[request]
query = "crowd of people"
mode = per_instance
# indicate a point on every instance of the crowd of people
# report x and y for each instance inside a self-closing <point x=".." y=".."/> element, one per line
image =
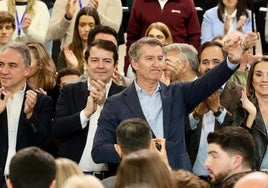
<point x="189" y="110"/>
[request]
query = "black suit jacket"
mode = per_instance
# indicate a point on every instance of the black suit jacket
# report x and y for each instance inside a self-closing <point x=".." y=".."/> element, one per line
<point x="67" y="126"/>
<point x="32" y="132"/>
<point x="230" y="95"/>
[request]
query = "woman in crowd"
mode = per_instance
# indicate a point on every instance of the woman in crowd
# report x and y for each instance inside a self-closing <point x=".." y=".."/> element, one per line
<point x="143" y="166"/>
<point x="42" y="76"/>
<point x="72" y="55"/>
<point x="159" y="31"/>
<point x="65" y="168"/>
<point x="252" y="111"/>
<point x="32" y="19"/>
<point x="227" y="17"/>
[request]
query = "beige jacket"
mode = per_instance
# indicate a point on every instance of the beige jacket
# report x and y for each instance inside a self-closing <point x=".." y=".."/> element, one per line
<point x="110" y="13"/>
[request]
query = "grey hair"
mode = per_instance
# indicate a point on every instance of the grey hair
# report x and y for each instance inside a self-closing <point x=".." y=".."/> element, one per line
<point x="186" y="52"/>
<point x="134" y="50"/>
<point x="21" y="48"/>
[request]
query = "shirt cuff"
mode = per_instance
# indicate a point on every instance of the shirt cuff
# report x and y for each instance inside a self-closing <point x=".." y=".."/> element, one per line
<point x="193" y="121"/>
<point x="84" y="120"/>
<point x="231" y="65"/>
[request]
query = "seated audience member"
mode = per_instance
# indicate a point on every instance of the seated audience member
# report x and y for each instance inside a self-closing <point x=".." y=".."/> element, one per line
<point x="143" y="166"/>
<point x="252" y="111"/>
<point x="159" y="31"/>
<point x="253" y="180"/>
<point x="32" y="168"/>
<point x="181" y="63"/>
<point x="230" y="151"/>
<point x="186" y="179"/>
<point x="66" y="75"/>
<point x="72" y="55"/>
<point x="26" y="115"/>
<point x="164" y="107"/>
<point x="32" y="19"/>
<point x="79" y="105"/>
<point x="82" y="181"/>
<point x="64" y="13"/>
<point x="227" y="17"/>
<point x="132" y="135"/>
<point x="7" y="27"/>
<point x="65" y="168"/>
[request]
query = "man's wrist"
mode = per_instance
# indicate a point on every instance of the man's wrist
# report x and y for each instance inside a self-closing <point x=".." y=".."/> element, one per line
<point x="196" y="115"/>
<point x="67" y="18"/>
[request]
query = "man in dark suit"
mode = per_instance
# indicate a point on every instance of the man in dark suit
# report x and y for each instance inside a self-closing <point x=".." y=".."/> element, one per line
<point x="79" y="105"/>
<point x="25" y="115"/>
<point x="214" y="112"/>
<point x="164" y="107"/>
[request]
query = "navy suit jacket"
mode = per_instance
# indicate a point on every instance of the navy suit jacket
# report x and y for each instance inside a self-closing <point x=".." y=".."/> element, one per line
<point x="67" y="125"/>
<point x="32" y="132"/>
<point x="177" y="101"/>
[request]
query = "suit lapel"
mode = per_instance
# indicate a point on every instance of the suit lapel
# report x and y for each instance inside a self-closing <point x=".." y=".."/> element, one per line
<point x="132" y="101"/>
<point x="22" y="117"/>
<point x="166" y="108"/>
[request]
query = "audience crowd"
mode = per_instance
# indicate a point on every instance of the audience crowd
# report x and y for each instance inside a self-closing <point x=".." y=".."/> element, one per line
<point x="189" y="109"/>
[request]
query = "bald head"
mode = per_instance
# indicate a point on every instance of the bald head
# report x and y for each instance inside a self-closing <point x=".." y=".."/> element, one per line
<point x="253" y="180"/>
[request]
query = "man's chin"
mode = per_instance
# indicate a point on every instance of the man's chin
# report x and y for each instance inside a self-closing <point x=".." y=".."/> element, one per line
<point x="217" y="179"/>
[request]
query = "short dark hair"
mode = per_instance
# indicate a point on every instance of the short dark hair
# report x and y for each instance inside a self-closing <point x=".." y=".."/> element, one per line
<point x="210" y="44"/>
<point x="234" y="140"/>
<point x="103" y="44"/>
<point x="66" y="71"/>
<point x="133" y="134"/>
<point x="101" y="29"/>
<point x="31" y="168"/>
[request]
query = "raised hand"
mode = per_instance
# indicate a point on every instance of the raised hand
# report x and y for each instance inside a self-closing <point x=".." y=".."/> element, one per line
<point x="26" y="22"/>
<point x="249" y="107"/>
<point x="226" y="25"/>
<point x="91" y="106"/>
<point x="70" y="8"/>
<point x="94" y="3"/>
<point x="213" y="101"/>
<point x="97" y="96"/>
<point x="3" y="102"/>
<point x="31" y="98"/>
<point x="70" y="57"/>
<point x="98" y="91"/>
<point x="241" y="22"/>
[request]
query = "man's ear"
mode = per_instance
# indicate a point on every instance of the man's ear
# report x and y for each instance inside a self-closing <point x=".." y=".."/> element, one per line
<point x="237" y="161"/>
<point x="134" y="64"/>
<point x="9" y="184"/>
<point x="118" y="150"/>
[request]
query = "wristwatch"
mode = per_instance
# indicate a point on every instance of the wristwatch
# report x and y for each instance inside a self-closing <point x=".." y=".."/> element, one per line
<point x="219" y="111"/>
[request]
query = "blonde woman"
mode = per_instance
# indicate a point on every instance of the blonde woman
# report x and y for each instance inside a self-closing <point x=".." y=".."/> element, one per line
<point x="65" y="168"/>
<point x="32" y="19"/>
<point x="42" y="74"/>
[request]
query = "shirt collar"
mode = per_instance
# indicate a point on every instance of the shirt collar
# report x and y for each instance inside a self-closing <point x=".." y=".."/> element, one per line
<point x="139" y="89"/>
